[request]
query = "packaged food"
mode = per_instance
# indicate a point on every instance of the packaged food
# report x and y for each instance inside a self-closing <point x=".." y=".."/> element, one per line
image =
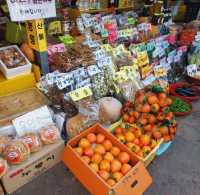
<point x="33" y="141"/>
<point x="4" y="140"/>
<point x="3" y="167"/>
<point x="49" y="134"/>
<point x="16" y="152"/>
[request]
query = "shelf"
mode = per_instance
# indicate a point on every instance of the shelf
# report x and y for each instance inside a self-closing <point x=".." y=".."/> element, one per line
<point x="107" y="9"/>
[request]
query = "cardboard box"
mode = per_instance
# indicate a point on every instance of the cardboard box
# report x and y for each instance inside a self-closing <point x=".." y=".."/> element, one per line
<point x="136" y="181"/>
<point x="38" y="163"/>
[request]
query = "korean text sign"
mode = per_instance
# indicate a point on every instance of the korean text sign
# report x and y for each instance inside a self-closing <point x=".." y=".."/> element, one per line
<point x="22" y="10"/>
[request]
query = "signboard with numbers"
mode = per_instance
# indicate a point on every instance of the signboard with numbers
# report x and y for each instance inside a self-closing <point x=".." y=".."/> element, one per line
<point x="22" y="10"/>
<point x="36" y="35"/>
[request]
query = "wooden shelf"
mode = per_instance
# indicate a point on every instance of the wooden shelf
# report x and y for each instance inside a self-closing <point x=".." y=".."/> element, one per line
<point x="107" y="9"/>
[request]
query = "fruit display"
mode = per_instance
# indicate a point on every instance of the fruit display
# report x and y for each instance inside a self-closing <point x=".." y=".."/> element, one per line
<point x="151" y="113"/>
<point x="103" y="157"/>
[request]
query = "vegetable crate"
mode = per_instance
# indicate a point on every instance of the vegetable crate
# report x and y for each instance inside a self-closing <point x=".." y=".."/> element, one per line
<point x="136" y="181"/>
<point x="151" y="156"/>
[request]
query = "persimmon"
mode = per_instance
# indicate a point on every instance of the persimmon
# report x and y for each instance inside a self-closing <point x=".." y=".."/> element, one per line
<point x="157" y="134"/>
<point x="88" y="151"/>
<point x="96" y="158"/>
<point x="162" y="96"/>
<point x="151" y="119"/>
<point x="108" y="156"/>
<point x="107" y="144"/>
<point x="131" y="119"/>
<point x="145" y="140"/>
<point x="164" y="130"/>
<point x="147" y="127"/>
<point x="115" y="166"/>
<point x="172" y="130"/>
<point x="169" y="101"/>
<point x="143" y="121"/>
<point x="118" y="130"/>
<point x="94" y="166"/>
<point x="111" y="182"/>
<point x="138" y="107"/>
<point x="136" y="114"/>
<point x="155" y="108"/>
<point x="99" y="149"/>
<point x="86" y="159"/>
<point x="170" y="115"/>
<point x="167" y="138"/>
<point x="125" y="118"/>
<point x="149" y="133"/>
<point x="91" y="137"/>
<point x="125" y="168"/>
<point x="129" y="136"/>
<point x="138" y="133"/>
<point x="136" y="141"/>
<point x="117" y="176"/>
<point x="160" y="116"/>
<point x="79" y="150"/>
<point x="115" y="151"/>
<point x="100" y="138"/>
<point x="84" y="143"/>
<point x="124" y="157"/>
<point x="104" y="174"/>
<point x="104" y="165"/>
<point x="163" y="103"/>
<point x="121" y="138"/>
<point x="146" y="108"/>
<point x="152" y="99"/>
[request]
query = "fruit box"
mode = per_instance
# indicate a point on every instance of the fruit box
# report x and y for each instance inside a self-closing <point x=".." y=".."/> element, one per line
<point x="150" y="157"/>
<point x="136" y="181"/>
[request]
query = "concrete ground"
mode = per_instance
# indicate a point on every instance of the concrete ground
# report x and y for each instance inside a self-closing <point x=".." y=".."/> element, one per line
<point x="177" y="172"/>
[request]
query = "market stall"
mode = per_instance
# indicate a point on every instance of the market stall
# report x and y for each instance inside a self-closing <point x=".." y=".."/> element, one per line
<point x="110" y="83"/>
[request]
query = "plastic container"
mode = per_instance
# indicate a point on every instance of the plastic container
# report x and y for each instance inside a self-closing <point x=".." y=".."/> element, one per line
<point x="13" y="72"/>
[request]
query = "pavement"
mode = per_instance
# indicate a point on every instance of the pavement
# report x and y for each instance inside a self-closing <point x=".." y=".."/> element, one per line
<point x="176" y="172"/>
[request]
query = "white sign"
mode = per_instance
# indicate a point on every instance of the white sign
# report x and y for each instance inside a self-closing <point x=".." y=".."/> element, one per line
<point x="22" y="10"/>
<point x="192" y="70"/>
<point x="32" y="121"/>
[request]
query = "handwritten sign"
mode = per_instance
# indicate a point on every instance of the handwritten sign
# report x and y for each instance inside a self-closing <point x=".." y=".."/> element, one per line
<point x="80" y="93"/>
<point x="31" y="9"/>
<point x="36" y="35"/>
<point x="54" y="28"/>
<point x="192" y="70"/>
<point x="57" y="48"/>
<point x="32" y="121"/>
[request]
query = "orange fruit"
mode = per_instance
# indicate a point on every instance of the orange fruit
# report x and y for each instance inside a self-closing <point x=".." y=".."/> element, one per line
<point x="125" y="168"/>
<point x="84" y="143"/>
<point x="138" y="133"/>
<point x="129" y="136"/>
<point x="94" y="166"/>
<point x="155" y="108"/>
<point x="96" y="158"/>
<point x="79" y="150"/>
<point x="152" y="99"/>
<point x="164" y="130"/>
<point x="157" y="134"/>
<point x="124" y="157"/>
<point x="162" y="96"/>
<point x="86" y="159"/>
<point x="107" y="144"/>
<point x="100" y="138"/>
<point x="152" y="119"/>
<point x="88" y="151"/>
<point x="108" y="156"/>
<point x="104" y="165"/>
<point x="111" y="182"/>
<point x="145" y="140"/>
<point x="169" y="101"/>
<point x="147" y="127"/>
<point x="115" y="166"/>
<point x="125" y="117"/>
<point x="99" y="149"/>
<point x="91" y="137"/>
<point x="115" y="151"/>
<point x="136" y="141"/>
<point x="131" y="120"/>
<point x="146" y="108"/>
<point x="117" y="176"/>
<point x="119" y="130"/>
<point x="104" y="174"/>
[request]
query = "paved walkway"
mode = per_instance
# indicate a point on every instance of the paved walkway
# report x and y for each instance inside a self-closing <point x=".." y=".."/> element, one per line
<point x="177" y="172"/>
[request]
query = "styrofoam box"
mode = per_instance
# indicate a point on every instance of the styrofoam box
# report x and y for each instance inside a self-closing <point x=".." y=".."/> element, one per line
<point x="13" y="72"/>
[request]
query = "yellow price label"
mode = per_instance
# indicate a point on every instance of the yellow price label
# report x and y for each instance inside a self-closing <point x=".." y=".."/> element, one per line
<point x="142" y="58"/>
<point x="80" y="93"/>
<point x="54" y="28"/>
<point x="160" y="72"/>
<point x="107" y="47"/>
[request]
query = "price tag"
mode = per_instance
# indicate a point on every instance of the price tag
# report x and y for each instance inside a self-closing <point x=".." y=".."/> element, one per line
<point x="32" y="121"/>
<point x="107" y="47"/>
<point x="107" y="61"/>
<point x="119" y="49"/>
<point x="192" y="70"/>
<point x="80" y="93"/>
<point x="99" y="54"/>
<point x="160" y="71"/>
<point x="146" y="71"/>
<point x="149" y="80"/>
<point x="150" y="46"/>
<point x="92" y="70"/>
<point x="58" y="48"/>
<point x="104" y="33"/>
<point x="142" y="58"/>
<point x="54" y="28"/>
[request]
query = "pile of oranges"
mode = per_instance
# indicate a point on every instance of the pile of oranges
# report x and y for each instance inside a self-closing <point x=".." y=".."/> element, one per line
<point x="106" y="159"/>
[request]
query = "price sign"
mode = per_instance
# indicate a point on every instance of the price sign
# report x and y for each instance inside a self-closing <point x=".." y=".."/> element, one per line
<point x="146" y="71"/>
<point x="107" y="47"/>
<point x="107" y="61"/>
<point x="32" y="121"/>
<point x="142" y="58"/>
<point x="192" y="70"/>
<point x="80" y="93"/>
<point x="104" y="33"/>
<point x="54" y="28"/>
<point x="149" y="80"/>
<point x="58" y="48"/>
<point x="36" y="35"/>
<point x="160" y="71"/>
<point x="99" y="54"/>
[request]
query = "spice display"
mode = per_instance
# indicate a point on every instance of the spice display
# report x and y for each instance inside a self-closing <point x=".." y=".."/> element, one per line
<point x="33" y="141"/>
<point x="16" y="152"/>
<point x="49" y="134"/>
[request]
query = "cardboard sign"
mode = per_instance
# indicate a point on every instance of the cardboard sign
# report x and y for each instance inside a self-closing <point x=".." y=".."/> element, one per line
<point x="30" y="10"/>
<point x="32" y="121"/>
<point x="36" y="35"/>
<point x="54" y="28"/>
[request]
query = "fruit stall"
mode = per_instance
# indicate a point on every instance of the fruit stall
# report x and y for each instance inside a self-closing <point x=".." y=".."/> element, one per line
<point x="97" y="86"/>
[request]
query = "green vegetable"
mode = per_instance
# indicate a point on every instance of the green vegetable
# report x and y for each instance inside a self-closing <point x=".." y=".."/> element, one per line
<point x="157" y="89"/>
<point x="179" y="106"/>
